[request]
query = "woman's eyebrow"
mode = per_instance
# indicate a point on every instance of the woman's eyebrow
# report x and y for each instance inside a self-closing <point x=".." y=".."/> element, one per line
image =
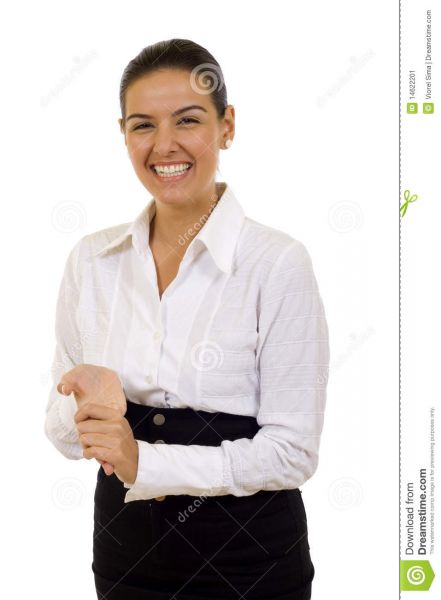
<point x="177" y="112"/>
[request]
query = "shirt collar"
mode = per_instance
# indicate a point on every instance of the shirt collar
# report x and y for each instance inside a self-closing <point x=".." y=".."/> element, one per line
<point x="219" y="234"/>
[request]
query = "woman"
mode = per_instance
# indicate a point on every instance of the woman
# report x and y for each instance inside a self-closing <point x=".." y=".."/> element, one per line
<point x="191" y="362"/>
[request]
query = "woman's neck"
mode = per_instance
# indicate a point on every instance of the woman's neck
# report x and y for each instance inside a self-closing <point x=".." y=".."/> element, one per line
<point x="176" y="229"/>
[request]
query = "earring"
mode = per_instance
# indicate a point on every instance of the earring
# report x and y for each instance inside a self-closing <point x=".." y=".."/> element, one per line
<point x="228" y="143"/>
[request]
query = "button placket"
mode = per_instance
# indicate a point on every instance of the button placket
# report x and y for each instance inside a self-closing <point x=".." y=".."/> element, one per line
<point x="159" y="419"/>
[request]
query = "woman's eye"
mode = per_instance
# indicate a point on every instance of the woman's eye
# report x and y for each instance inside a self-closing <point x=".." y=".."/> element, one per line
<point x="139" y="126"/>
<point x="187" y="120"/>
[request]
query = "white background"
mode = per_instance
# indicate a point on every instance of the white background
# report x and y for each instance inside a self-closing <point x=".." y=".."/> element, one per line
<point x="315" y="88"/>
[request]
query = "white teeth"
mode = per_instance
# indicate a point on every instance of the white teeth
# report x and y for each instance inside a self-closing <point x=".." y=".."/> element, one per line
<point x="173" y="170"/>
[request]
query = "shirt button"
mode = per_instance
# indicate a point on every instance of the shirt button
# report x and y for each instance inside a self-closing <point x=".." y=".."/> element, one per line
<point x="149" y="379"/>
<point x="157" y="335"/>
<point x="159" y="419"/>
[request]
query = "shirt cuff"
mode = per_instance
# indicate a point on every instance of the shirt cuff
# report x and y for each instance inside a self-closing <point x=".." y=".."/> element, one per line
<point x="176" y="469"/>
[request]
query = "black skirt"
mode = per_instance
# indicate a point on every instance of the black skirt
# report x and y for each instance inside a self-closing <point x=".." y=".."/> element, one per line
<point x="198" y="547"/>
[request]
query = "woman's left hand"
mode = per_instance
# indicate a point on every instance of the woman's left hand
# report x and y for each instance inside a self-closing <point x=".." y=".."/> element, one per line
<point x="108" y="437"/>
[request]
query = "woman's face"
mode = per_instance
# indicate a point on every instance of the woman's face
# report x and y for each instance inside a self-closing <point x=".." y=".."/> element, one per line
<point x="153" y="134"/>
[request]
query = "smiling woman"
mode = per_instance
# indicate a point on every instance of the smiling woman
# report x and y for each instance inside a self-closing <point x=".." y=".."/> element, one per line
<point x="175" y="118"/>
<point x="214" y="324"/>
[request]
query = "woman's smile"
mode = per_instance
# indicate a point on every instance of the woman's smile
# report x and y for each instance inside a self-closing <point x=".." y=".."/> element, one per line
<point x="176" y="172"/>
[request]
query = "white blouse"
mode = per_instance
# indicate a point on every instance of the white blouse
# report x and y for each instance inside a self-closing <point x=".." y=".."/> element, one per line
<point x="241" y="329"/>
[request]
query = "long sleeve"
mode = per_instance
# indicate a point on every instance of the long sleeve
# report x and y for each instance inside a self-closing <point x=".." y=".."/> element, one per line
<point x="292" y="358"/>
<point x="59" y="424"/>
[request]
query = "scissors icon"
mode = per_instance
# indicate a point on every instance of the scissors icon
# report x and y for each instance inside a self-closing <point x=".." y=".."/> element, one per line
<point x="408" y="198"/>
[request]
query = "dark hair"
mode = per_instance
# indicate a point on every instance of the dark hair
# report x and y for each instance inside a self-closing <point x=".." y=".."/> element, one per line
<point x="178" y="54"/>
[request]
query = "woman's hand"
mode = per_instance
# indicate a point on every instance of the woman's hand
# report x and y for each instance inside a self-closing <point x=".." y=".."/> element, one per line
<point x="108" y="437"/>
<point x="100" y="385"/>
<point x="91" y="383"/>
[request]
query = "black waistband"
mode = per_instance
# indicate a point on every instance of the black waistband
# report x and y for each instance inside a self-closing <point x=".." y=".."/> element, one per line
<point x="187" y="426"/>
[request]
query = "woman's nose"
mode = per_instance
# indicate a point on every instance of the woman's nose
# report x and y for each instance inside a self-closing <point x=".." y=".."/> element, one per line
<point x="163" y="140"/>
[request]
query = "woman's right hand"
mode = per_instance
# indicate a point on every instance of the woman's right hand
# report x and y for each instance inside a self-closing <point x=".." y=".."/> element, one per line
<point x="100" y="385"/>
